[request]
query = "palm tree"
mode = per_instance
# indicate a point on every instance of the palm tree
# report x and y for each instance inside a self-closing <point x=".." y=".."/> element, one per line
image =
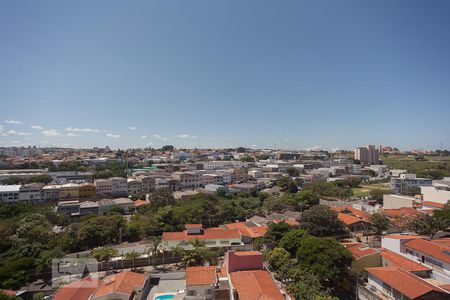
<point x="104" y="254"/>
<point x="133" y="255"/>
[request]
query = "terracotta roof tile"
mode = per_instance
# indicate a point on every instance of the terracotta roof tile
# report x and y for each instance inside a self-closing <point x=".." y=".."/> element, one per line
<point x="359" y="250"/>
<point x="124" y="282"/>
<point x="193" y="226"/>
<point x="433" y="204"/>
<point x="437" y="250"/>
<point x="201" y="275"/>
<point x="255" y="285"/>
<point x="77" y="290"/>
<point x="348" y="219"/>
<point x="356" y="212"/>
<point x="396" y="260"/>
<point x="210" y="233"/>
<point x="406" y="283"/>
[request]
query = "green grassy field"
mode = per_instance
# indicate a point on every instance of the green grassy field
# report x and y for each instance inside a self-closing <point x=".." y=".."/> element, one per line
<point x="365" y="190"/>
<point x="431" y="163"/>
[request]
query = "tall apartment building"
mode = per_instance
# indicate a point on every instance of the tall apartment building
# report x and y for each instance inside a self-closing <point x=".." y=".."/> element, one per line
<point x="367" y="155"/>
<point x="31" y="192"/>
<point x="408" y="181"/>
<point x="69" y="191"/>
<point x="147" y="183"/>
<point x="87" y="191"/>
<point x="103" y="187"/>
<point x="119" y="186"/>
<point x="134" y="187"/>
<point x="188" y="179"/>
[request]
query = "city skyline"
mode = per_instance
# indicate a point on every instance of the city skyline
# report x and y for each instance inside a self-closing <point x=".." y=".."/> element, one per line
<point x="212" y="75"/>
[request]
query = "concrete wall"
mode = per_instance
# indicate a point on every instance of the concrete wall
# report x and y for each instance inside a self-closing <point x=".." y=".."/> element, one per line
<point x="430" y="193"/>
<point x="396" y="201"/>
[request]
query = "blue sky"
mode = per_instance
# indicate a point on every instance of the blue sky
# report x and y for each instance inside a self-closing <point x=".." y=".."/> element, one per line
<point x="289" y="74"/>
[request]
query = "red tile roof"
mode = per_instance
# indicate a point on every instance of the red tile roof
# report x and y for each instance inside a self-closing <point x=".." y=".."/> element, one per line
<point x="77" y="290"/>
<point x="404" y="236"/>
<point x="348" y="219"/>
<point x="396" y="260"/>
<point x="359" y="250"/>
<point x="356" y="212"/>
<point x="7" y="292"/>
<point x="201" y="275"/>
<point x="139" y="203"/>
<point x="406" y="283"/>
<point x="208" y="234"/>
<point x="255" y="285"/>
<point x="290" y="222"/>
<point x="430" y="248"/>
<point x="402" y="212"/>
<point x="247" y="253"/>
<point x="433" y="204"/>
<point x="253" y="232"/>
<point x="124" y="283"/>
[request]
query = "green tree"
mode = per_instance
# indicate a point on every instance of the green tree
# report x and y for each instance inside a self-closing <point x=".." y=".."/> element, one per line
<point x="320" y="220"/>
<point x="377" y="194"/>
<point x="104" y="254"/>
<point x="379" y="223"/>
<point x="306" y="285"/>
<point x="326" y="258"/>
<point x="293" y="172"/>
<point x="443" y="215"/>
<point x="199" y="255"/>
<point x="133" y="255"/>
<point x="287" y="184"/>
<point x="425" y="224"/>
<point x="292" y="240"/>
<point x="305" y="199"/>
<point x="279" y="259"/>
<point x="275" y="234"/>
<point x="167" y="148"/>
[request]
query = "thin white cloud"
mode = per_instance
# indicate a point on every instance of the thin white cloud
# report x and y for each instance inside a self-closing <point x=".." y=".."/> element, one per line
<point x="72" y="134"/>
<point x="15" y="142"/>
<point x="13" y="132"/>
<point x="38" y="127"/>
<point x="149" y="144"/>
<point x="12" y="121"/>
<point x="133" y="128"/>
<point x="51" y="132"/>
<point x="193" y="136"/>
<point x="158" y="137"/>
<point x="183" y="136"/>
<point x="143" y="137"/>
<point x="114" y="136"/>
<point x="1" y="127"/>
<point x="72" y="129"/>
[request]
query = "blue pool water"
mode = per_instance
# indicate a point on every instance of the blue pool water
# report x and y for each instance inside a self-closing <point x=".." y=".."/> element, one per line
<point x="163" y="297"/>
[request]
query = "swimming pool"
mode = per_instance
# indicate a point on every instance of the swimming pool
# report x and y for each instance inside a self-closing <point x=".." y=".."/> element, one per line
<point x="164" y="297"/>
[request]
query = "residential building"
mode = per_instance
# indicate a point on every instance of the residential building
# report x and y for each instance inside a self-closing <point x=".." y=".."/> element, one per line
<point x="212" y="179"/>
<point x="188" y="179"/>
<point x="254" y="284"/>
<point x="121" y="286"/>
<point x="439" y="192"/>
<point x="235" y="261"/>
<point x="87" y="191"/>
<point x="392" y="201"/>
<point x="9" y="193"/>
<point x="147" y="183"/>
<point x="364" y="256"/>
<point x="31" y="192"/>
<point x="213" y="237"/>
<point x="51" y="192"/>
<point x="408" y="181"/>
<point x="119" y="187"/>
<point x="69" y="191"/>
<point x="78" y="290"/>
<point x="227" y="175"/>
<point x="396" y="283"/>
<point x="88" y="208"/>
<point x="255" y="173"/>
<point x="103" y="187"/>
<point x="201" y="281"/>
<point x="71" y="207"/>
<point x="134" y="187"/>
<point x="161" y="183"/>
<point x="106" y="205"/>
<point x="249" y="230"/>
<point x="367" y="155"/>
